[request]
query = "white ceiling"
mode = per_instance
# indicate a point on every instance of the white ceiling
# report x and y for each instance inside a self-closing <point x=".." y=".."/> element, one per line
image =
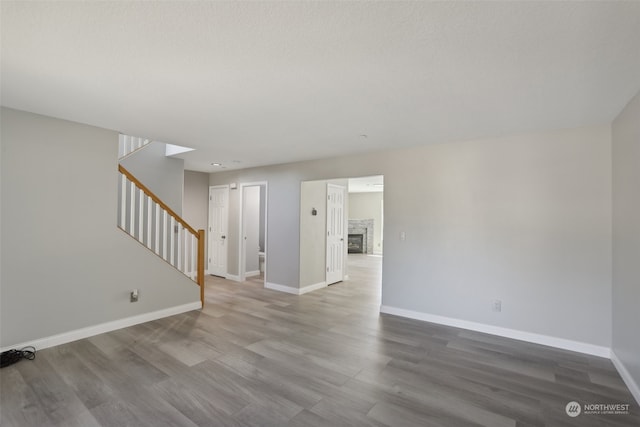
<point x="367" y="184"/>
<point x="273" y="82"/>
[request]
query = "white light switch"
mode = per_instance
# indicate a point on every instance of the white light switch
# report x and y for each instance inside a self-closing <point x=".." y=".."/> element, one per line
<point x="403" y="236"/>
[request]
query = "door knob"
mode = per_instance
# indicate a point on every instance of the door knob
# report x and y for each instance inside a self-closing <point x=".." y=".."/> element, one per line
<point x="224" y="237"/>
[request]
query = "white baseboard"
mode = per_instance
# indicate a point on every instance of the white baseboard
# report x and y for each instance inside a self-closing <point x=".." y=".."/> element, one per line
<point x="295" y="291"/>
<point x="565" y="344"/>
<point x="90" y="331"/>
<point x="252" y="273"/>
<point x="633" y="386"/>
<point x="313" y="287"/>
<point x="282" y="288"/>
<point x="232" y="277"/>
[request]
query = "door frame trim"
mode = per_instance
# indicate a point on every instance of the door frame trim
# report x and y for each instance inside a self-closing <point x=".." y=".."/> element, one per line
<point x="241" y="252"/>
<point x="209" y="241"/>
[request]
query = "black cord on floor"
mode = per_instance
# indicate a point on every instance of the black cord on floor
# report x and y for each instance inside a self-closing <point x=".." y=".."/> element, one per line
<point x="10" y="357"/>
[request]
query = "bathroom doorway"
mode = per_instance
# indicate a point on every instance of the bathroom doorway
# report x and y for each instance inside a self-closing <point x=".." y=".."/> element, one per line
<point x="253" y="232"/>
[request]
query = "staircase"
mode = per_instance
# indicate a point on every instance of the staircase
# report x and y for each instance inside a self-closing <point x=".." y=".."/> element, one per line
<point x="128" y="145"/>
<point x="146" y="218"/>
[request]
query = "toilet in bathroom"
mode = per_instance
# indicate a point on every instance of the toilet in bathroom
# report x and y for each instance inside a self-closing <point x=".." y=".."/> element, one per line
<point x="261" y="262"/>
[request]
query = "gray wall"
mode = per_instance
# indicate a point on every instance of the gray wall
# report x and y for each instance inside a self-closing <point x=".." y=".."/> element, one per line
<point x="313" y="250"/>
<point x="525" y="219"/>
<point x="195" y="203"/>
<point x="368" y="206"/>
<point x="161" y="174"/>
<point x="626" y="238"/>
<point x="65" y="265"/>
<point x="195" y="206"/>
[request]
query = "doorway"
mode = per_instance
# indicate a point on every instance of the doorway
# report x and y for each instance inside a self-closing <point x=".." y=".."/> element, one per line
<point x="253" y="232"/>
<point x="366" y="215"/>
<point x="365" y="228"/>
<point x="321" y="248"/>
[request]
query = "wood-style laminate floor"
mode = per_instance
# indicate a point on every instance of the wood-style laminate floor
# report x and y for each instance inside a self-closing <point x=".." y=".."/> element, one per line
<point x="256" y="357"/>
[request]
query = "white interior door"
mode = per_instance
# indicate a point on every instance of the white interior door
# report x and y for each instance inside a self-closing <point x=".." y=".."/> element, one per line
<point x="218" y="223"/>
<point x="251" y="229"/>
<point x="335" y="233"/>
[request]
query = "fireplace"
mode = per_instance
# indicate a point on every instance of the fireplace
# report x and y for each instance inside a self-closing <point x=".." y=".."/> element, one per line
<point x="355" y="244"/>
<point x="364" y="243"/>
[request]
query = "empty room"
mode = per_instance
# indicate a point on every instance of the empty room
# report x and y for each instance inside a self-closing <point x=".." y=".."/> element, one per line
<point x="314" y="213"/>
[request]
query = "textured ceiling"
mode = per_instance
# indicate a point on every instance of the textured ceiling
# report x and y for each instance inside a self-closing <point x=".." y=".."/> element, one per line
<point x="273" y="82"/>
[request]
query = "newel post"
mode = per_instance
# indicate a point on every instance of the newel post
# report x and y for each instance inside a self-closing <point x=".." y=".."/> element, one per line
<point x="201" y="264"/>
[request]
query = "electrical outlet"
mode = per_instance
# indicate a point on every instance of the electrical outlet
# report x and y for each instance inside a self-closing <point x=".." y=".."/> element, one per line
<point x="403" y="236"/>
<point x="496" y="306"/>
<point x="134" y="296"/>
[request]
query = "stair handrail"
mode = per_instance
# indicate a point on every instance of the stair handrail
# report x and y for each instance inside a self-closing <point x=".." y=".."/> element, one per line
<point x="130" y="147"/>
<point x="156" y="199"/>
<point x="199" y="234"/>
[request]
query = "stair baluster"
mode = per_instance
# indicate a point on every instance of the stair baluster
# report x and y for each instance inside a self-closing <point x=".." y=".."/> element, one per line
<point x="160" y="229"/>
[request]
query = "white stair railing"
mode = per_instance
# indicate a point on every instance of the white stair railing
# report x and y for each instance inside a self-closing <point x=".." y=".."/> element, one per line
<point x="128" y="144"/>
<point x="155" y="225"/>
